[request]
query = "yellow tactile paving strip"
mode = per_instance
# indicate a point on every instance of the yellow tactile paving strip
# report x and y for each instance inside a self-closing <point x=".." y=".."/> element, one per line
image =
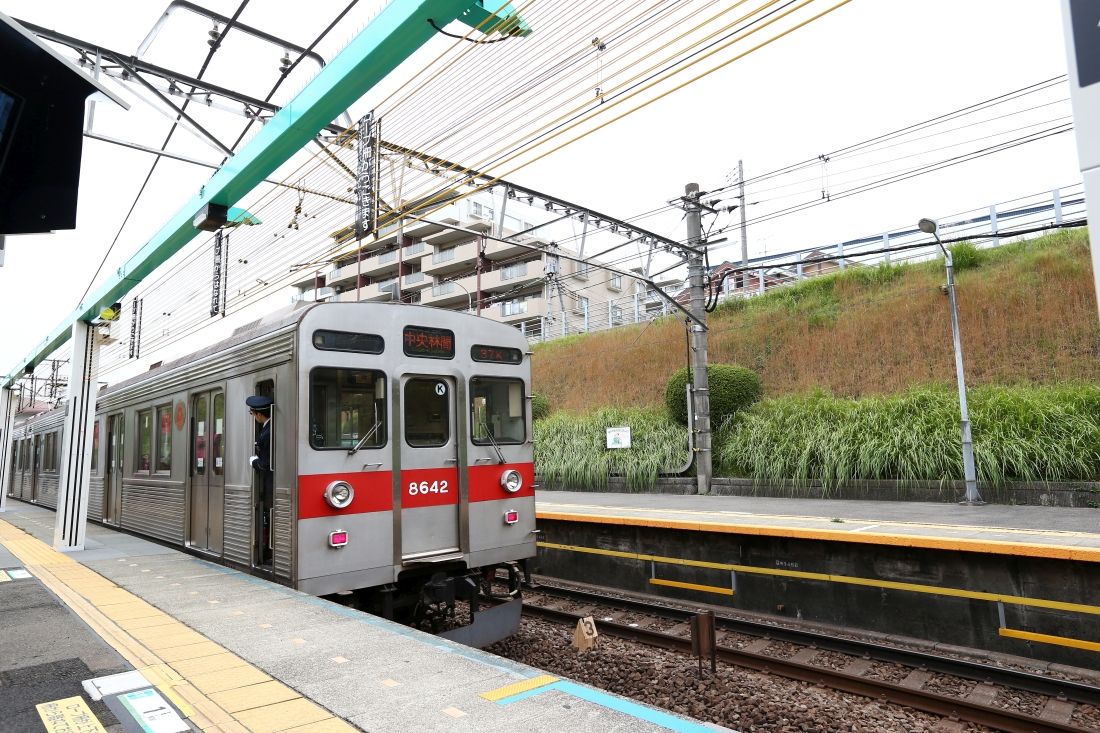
<point x="729" y="523"/>
<point x="217" y="690"/>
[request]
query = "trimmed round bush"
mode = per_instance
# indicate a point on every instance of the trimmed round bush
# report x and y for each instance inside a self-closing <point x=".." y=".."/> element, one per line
<point x="540" y="406"/>
<point x="732" y="388"/>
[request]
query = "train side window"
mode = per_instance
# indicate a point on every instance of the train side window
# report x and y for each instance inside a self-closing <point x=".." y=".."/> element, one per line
<point x="427" y="413"/>
<point x="198" y="433"/>
<point x="219" y="431"/>
<point x="95" y="446"/>
<point x="164" y="439"/>
<point x="496" y="411"/>
<point x="144" y="441"/>
<point x="347" y="408"/>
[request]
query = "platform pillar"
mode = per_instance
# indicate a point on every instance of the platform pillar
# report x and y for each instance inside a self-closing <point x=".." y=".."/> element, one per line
<point x="7" y="424"/>
<point x="76" y="451"/>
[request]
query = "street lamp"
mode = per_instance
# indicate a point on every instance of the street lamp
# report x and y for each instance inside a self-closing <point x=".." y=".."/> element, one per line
<point x="928" y="226"/>
<point x="469" y="298"/>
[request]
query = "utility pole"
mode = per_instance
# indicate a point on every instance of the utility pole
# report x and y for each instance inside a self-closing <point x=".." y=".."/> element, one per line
<point x="701" y="391"/>
<point x="744" y="229"/>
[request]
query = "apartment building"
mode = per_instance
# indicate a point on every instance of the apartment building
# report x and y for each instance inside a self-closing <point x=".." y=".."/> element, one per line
<point x="524" y="281"/>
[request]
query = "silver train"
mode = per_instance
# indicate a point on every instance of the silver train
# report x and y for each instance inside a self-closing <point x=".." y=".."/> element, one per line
<point x="400" y="445"/>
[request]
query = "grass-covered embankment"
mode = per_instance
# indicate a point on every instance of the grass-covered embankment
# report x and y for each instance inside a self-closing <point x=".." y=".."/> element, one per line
<point x="1020" y="434"/>
<point x="571" y="450"/>
<point x="1027" y="314"/>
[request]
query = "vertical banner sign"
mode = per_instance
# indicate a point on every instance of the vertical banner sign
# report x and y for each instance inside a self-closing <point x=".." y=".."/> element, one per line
<point x="225" y="275"/>
<point x="215" y="297"/>
<point x="133" y="327"/>
<point x="140" y="314"/>
<point x="366" y="177"/>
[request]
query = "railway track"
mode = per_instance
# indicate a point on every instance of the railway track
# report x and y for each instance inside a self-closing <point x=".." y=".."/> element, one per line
<point x="753" y="645"/>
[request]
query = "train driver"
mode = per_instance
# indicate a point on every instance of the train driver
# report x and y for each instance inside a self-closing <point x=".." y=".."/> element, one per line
<point x="260" y="409"/>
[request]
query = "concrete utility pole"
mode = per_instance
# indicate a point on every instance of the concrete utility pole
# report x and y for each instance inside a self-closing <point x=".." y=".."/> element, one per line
<point x="701" y="393"/>
<point x="744" y="228"/>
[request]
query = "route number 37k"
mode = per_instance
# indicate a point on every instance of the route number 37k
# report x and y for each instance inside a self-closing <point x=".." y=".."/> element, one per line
<point x="435" y="487"/>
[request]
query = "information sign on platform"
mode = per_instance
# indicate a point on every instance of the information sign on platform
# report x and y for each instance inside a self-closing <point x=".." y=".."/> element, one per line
<point x="618" y="437"/>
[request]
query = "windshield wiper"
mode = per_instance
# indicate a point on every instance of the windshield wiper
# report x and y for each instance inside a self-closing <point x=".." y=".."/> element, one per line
<point x="365" y="438"/>
<point x="500" y="455"/>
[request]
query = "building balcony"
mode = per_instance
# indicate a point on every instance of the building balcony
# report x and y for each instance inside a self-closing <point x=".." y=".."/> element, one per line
<point x="450" y="261"/>
<point x="377" y="266"/>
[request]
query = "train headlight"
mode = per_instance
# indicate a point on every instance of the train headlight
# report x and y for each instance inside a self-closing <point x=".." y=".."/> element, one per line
<point x="511" y="481"/>
<point x="339" y="494"/>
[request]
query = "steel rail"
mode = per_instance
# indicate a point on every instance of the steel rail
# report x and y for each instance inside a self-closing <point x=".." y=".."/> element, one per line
<point x="1026" y="681"/>
<point x="929" y="702"/>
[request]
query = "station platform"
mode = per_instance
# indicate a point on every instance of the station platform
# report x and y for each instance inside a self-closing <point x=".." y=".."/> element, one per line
<point x="1018" y="580"/>
<point x="1027" y="531"/>
<point x="171" y="642"/>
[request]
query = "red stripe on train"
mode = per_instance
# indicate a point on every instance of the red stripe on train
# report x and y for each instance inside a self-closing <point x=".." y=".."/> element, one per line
<point x="484" y="481"/>
<point x="373" y="493"/>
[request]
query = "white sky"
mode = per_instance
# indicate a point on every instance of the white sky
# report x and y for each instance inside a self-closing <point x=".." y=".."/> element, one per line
<point x="869" y="68"/>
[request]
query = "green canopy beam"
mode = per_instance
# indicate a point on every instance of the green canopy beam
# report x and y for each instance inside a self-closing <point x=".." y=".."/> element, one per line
<point x="394" y="35"/>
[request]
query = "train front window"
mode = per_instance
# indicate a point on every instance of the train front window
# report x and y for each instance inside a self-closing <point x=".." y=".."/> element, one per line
<point x="427" y="413"/>
<point x="496" y="411"/>
<point x="347" y="408"/>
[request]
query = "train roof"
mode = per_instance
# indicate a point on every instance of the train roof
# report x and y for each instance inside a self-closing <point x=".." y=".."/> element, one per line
<point x="276" y="321"/>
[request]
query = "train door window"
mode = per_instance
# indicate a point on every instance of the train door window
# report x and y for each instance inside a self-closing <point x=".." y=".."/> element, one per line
<point x="219" y="431"/>
<point x="347" y="408"/>
<point x="144" y="441"/>
<point x="164" y="439"/>
<point x="95" y="446"/>
<point x="427" y="413"/>
<point x="47" y="452"/>
<point x="198" y="448"/>
<point x="266" y="388"/>
<point x="496" y="410"/>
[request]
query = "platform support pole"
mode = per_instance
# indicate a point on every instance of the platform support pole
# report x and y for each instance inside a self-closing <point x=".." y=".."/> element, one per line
<point x="76" y="452"/>
<point x="7" y="424"/>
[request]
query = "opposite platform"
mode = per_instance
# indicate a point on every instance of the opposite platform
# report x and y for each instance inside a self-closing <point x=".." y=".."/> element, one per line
<point x="1051" y="532"/>
<point x="1017" y="580"/>
<point x="236" y="653"/>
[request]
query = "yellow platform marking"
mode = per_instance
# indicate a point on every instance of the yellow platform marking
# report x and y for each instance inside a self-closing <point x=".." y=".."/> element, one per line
<point x="996" y="547"/>
<point x="4" y="577"/>
<point x="186" y="667"/>
<point x="718" y="590"/>
<point x="517" y="687"/>
<point x="70" y="714"/>
<point x="829" y="578"/>
<point x="253" y="696"/>
<point x="1091" y="646"/>
<point x="228" y="679"/>
<point x="328" y="725"/>
<point x="283" y="716"/>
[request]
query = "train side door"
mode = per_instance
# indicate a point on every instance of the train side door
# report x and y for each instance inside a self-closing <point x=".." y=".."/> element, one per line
<point x="31" y="489"/>
<point x="207" y="475"/>
<point x="112" y="483"/>
<point x="429" y="468"/>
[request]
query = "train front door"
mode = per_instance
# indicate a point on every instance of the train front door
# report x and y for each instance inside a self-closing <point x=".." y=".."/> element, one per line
<point x="429" y="468"/>
<point x="112" y="481"/>
<point x="206" y="485"/>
